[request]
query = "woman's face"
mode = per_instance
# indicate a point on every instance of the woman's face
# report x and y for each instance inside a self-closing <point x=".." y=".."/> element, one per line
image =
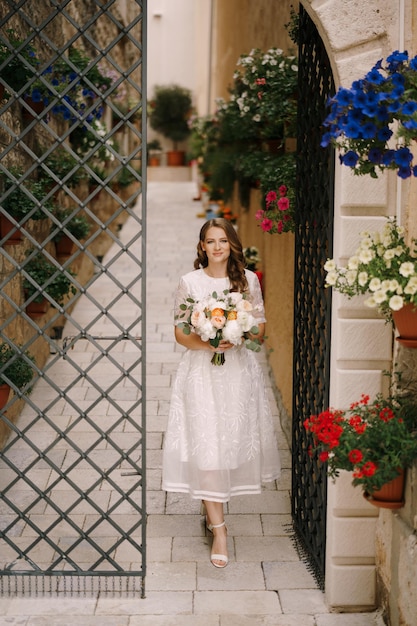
<point x="216" y="245"/>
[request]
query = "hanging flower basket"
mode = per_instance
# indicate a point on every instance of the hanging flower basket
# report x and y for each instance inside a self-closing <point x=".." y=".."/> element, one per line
<point x="361" y="122"/>
<point x="385" y="268"/>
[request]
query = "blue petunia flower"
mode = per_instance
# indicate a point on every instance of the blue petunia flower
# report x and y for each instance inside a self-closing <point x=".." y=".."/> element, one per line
<point x="375" y="155"/>
<point x="343" y="96"/>
<point x="415" y="170"/>
<point x="350" y="158"/>
<point x="397" y="79"/>
<point x="384" y="134"/>
<point x="388" y="157"/>
<point x="359" y="99"/>
<point x="369" y="130"/>
<point x="409" y="107"/>
<point x="352" y="130"/>
<point x="394" y="106"/>
<point x="375" y="77"/>
<point x="413" y="63"/>
<point x="404" y="172"/>
<point x="382" y="114"/>
<point x="36" y="95"/>
<point x="403" y="157"/>
<point x="410" y="124"/>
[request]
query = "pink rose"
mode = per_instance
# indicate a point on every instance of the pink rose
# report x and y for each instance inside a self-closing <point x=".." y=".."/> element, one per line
<point x="218" y="321"/>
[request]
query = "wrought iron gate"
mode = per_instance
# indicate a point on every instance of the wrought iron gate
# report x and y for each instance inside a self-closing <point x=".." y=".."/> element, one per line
<point x="313" y="245"/>
<point x="72" y="460"/>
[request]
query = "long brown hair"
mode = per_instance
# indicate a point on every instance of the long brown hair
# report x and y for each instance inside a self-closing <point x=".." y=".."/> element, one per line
<point x="236" y="261"/>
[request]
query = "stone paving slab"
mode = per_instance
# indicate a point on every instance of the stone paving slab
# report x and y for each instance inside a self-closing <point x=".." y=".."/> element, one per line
<point x="265" y="583"/>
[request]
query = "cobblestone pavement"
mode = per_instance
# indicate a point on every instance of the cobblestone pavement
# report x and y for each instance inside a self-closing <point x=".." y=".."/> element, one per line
<point x="265" y="582"/>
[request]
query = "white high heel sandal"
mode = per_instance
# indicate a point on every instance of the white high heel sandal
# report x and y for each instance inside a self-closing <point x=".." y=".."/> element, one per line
<point x="218" y="557"/>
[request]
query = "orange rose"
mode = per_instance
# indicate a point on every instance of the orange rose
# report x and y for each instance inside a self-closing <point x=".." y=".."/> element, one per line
<point x="232" y="315"/>
<point x="217" y="312"/>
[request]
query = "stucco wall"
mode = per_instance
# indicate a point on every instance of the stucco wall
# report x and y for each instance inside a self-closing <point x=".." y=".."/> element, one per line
<point x="357" y="34"/>
<point x="239" y="26"/>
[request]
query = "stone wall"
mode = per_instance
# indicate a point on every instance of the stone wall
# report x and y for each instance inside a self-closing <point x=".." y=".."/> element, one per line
<point x="103" y="205"/>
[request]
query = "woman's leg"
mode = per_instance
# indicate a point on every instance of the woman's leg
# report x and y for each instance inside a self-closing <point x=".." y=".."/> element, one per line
<point x="215" y="516"/>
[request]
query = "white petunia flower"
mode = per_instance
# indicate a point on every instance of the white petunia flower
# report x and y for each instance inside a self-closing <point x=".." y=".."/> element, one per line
<point x="331" y="278"/>
<point x="406" y="269"/>
<point x="380" y="296"/>
<point x="353" y="263"/>
<point x="370" y="302"/>
<point x="362" y="278"/>
<point x="330" y="265"/>
<point x="396" y="303"/>
<point x="374" y="284"/>
<point x="351" y="276"/>
<point x="411" y="286"/>
<point x="366" y="255"/>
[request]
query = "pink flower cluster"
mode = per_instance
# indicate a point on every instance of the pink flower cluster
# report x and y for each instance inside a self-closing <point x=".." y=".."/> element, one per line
<point x="277" y="217"/>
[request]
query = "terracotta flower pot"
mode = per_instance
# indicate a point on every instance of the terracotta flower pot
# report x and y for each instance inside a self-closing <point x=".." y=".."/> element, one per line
<point x="7" y="227"/>
<point x="176" y="157"/>
<point x="64" y="247"/>
<point x="37" y="309"/>
<point x="391" y="495"/>
<point x="36" y="107"/>
<point x="4" y="394"/>
<point x="405" y="321"/>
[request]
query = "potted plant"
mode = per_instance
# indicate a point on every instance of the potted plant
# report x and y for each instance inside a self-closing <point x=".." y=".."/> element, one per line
<point x="154" y="151"/>
<point x="77" y="225"/>
<point x="65" y="167"/>
<point x="16" y="72"/>
<point x="47" y="279"/>
<point x="170" y="111"/>
<point x="385" y="267"/>
<point x="278" y="216"/>
<point x="360" y="122"/>
<point x="19" y="204"/>
<point x="15" y="368"/>
<point x="375" y="440"/>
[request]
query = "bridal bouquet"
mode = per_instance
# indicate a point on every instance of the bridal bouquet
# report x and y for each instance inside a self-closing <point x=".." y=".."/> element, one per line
<point x="228" y="316"/>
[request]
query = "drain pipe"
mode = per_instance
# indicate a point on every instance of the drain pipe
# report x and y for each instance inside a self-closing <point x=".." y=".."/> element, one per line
<point x="401" y="46"/>
<point x="210" y="52"/>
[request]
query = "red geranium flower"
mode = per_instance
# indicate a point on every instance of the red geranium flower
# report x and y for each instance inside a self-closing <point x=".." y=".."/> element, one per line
<point x="355" y="456"/>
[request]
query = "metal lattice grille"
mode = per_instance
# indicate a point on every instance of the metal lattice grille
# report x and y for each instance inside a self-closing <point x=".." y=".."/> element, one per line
<point x="72" y="458"/>
<point x="312" y="301"/>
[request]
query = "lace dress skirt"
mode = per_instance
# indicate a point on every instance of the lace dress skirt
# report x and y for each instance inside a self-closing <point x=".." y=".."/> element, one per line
<point x="220" y="439"/>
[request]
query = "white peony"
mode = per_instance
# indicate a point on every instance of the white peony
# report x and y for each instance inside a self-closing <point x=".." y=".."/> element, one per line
<point x="232" y="332"/>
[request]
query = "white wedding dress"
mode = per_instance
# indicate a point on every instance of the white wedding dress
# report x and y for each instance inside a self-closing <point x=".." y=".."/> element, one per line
<point x="220" y="440"/>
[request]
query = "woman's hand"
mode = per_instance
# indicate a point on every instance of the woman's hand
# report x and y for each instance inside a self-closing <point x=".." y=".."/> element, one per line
<point x="222" y="347"/>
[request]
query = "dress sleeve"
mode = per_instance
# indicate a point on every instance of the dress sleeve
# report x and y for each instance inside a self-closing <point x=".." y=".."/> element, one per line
<point x="181" y="294"/>
<point x="256" y="296"/>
